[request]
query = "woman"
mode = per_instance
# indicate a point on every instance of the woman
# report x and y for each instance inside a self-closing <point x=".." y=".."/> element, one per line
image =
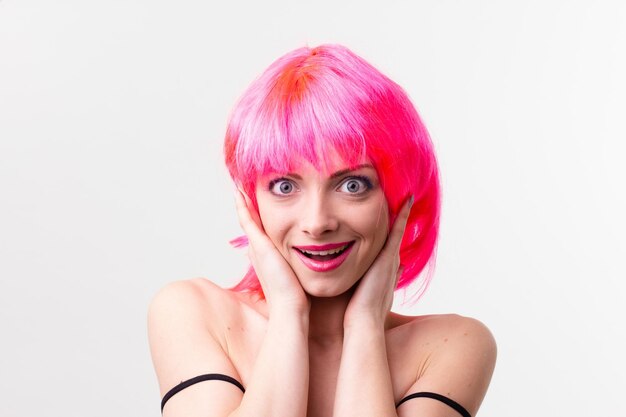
<point x="338" y="195"/>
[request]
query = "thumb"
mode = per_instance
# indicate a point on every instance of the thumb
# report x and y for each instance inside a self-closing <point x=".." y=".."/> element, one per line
<point x="398" y="275"/>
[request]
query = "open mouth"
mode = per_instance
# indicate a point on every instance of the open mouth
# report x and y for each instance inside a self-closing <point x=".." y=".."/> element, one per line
<point x="325" y="255"/>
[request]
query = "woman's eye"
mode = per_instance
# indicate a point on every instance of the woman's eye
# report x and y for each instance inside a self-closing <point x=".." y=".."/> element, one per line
<point x="281" y="187"/>
<point x="355" y="186"/>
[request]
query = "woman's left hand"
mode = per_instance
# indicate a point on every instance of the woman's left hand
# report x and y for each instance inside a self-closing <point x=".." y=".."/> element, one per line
<point x="373" y="296"/>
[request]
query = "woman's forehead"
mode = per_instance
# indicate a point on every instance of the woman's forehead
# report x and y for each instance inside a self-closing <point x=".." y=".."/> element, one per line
<point x="327" y="168"/>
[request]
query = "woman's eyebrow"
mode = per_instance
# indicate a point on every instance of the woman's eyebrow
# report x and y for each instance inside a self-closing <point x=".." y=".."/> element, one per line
<point x="347" y="170"/>
<point x="336" y="174"/>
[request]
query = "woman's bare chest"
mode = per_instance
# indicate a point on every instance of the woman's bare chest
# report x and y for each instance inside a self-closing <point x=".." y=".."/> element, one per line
<point x="245" y="339"/>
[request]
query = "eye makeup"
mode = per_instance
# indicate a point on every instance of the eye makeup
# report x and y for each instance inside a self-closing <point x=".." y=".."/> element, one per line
<point x="286" y="182"/>
<point x="367" y="182"/>
<point x="340" y="178"/>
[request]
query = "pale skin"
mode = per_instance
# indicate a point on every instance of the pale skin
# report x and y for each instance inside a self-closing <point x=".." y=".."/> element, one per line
<point x="321" y="343"/>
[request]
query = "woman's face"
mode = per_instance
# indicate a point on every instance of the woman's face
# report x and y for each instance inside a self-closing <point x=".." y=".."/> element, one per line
<point x="329" y="227"/>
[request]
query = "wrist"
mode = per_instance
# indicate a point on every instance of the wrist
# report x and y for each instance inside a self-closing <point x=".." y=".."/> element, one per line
<point x="289" y="314"/>
<point x="365" y="322"/>
<point x="289" y="306"/>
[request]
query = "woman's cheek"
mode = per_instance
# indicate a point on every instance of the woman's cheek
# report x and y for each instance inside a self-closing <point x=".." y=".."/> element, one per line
<point x="275" y="226"/>
<point x="372" y="219"/>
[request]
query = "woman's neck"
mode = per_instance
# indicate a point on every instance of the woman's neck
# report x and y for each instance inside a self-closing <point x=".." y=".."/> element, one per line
<point x="326" y="318"/>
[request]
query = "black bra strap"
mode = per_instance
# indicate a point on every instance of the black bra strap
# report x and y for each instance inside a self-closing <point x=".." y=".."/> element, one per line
<point x="197" y="379"/>
<point x="458" y="407"/>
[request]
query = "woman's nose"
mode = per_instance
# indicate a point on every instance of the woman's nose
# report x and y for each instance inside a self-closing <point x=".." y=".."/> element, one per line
<point x="318" y="217"/>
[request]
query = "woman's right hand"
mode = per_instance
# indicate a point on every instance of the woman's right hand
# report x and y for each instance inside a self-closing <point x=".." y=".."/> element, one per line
<point x="281" y="287"/>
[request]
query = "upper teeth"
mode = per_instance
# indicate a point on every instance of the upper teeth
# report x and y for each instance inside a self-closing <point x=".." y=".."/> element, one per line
<point x="324" y="252"/>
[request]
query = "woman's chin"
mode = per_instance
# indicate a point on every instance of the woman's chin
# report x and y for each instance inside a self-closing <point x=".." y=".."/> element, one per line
<point x="324" y="289"/>
<point x="323" y="293"/>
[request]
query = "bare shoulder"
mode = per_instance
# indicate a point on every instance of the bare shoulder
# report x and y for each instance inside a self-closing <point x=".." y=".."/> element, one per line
<point x="195" y="300"/>
<point x="443" y="330"/>
<point x="462" y="340"/>
<point x="453" y="356"/>
<point x="459" y="328"/>
<point x="184" y="330"/>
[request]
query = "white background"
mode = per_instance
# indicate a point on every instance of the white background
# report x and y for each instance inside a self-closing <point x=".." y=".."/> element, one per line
<point x="112" y="115"/>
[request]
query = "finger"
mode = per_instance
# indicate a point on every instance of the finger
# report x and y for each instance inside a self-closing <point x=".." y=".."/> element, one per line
<point x="248" y="223"/>
<point x="253" y="213"/>
<point x="398" y="275"/>
<point x="397" y="230"/>
<point x="259" y="245"/>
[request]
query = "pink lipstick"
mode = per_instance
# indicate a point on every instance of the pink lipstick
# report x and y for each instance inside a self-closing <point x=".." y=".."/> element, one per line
<point x="323" y="258"/>
<point x="328" y="246"/>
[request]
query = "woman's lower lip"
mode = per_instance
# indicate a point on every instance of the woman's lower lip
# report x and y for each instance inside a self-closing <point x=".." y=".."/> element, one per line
<point x="323" y="266"/>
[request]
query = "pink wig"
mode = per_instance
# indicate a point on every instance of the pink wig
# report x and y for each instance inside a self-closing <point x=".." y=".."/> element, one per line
<point x="312" y="102"/>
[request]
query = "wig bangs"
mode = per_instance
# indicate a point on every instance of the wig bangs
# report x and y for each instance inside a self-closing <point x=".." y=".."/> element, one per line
<point x="295" y="124"/>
